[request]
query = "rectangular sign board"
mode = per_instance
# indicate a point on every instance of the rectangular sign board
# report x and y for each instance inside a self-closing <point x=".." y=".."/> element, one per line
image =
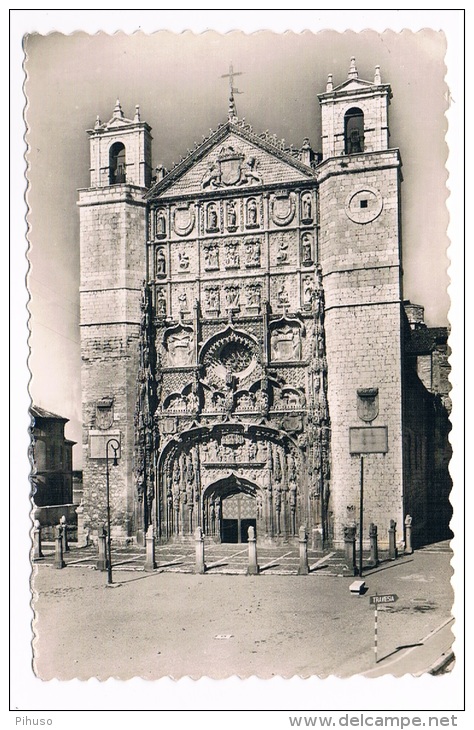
<point x="383" y="600"/>
<point x="368" y="440"/>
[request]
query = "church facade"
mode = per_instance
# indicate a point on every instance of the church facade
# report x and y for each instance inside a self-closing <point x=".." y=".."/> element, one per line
<point x="243" y="329"/>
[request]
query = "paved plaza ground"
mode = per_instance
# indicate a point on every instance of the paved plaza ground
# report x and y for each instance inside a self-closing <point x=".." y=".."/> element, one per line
<point x="171" y="622"/>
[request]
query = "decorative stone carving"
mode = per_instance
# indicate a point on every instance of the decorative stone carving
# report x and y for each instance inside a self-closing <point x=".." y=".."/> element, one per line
<point x="282" y="255"/>
<point x="104" y="413"/>
<point x="160" y="303"/>
<point x="254" y="296"/>
<point x="183" y="260"/>
<point x="308" y="292"/>
<point x="252" y="253"/>
<point x="160" y="224"/>
<point x="232" y="297"/>
<point x="307" y="250"/>
<point x="252" y="214"/>
<point x="179" y="346"/>
<point x="282" y="297"/>
<point x="285" y="342"/>
<point x="368" y="404"/>
<point x="160" y="264"/>
<point x="212" y="221"/>
<point x="306" y="208"/>
<point x="232" y="260"/>
<point x="282" y="208"/>
<point x="184" y="218"/>
<point x="183" y="301"/>
<point x="231" y="217"/>
<point x="212" y="299"/>
<point x="229" y="169"/>
<point x="211" y="256"/>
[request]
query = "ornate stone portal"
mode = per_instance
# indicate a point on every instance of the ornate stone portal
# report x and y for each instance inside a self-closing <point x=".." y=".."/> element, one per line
<point x="234" y="432"/>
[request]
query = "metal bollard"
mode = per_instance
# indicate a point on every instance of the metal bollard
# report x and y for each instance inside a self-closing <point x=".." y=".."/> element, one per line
<point x="58" y="552"/>
<point x="253" y="564"/>
<point x="350" y="549"/>
<point x="303" y="541"/>
<point x="65" y="540"/>
<point x="102" y="545"/>
<point x="374" y="550"/>
<point x="37" y="552"/>
<point x="200" y="564"/>
<point x="408" y="545"/>
<point x="150" y="563"/>
<point x="392" y="540"/>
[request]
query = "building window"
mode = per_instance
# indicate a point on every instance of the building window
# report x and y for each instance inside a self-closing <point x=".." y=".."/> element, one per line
<point x="354" y="131"/>
<point x="117" y="164"/>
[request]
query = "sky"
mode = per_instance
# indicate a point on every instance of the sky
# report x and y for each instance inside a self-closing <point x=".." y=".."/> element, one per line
<point x="176" y="80"/>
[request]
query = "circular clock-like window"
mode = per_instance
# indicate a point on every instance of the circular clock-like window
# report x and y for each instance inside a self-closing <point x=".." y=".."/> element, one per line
<point x="364" y="205"/>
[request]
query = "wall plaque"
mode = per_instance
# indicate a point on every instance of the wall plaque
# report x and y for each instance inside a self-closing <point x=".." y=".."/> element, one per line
<point x="368" y="440"/>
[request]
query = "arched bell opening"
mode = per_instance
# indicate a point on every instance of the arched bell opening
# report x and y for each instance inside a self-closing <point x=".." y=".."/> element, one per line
<point x="117" y="164"/>
<point x="353" y="131"/>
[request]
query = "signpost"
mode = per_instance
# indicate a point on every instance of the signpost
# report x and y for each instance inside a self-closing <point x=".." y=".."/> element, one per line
<point x="366" y="440"/>
<point x="376" y="601"/>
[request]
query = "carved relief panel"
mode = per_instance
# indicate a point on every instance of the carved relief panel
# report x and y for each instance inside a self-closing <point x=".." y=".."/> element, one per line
<point x="285" y="340"/>
<point x="178" y="343"/>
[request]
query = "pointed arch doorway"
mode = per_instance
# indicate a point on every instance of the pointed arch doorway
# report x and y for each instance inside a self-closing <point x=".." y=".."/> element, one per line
<point x="231" y="506"/>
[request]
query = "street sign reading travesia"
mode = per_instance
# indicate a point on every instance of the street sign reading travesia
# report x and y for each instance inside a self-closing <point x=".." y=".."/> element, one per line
<point x="388" y="598"/>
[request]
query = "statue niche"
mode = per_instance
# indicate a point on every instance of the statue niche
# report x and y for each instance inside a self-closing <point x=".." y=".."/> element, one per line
<point x="285" y="340"/>
<point x="179" y="346"/>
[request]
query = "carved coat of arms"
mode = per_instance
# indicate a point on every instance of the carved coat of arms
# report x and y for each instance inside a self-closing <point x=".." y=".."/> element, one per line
<point x="231" y="168"/>
<point x="368" y="404"/>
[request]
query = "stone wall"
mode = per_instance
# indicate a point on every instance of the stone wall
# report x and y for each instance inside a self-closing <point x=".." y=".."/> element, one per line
<point x="360" y="258"/>
<point x="112" y="271"/>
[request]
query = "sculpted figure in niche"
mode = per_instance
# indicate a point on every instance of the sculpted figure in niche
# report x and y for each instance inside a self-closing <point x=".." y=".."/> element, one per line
<point x="160" y="303"/>
<point x="231" y="216"/>
<point x="252" y="213"/>
<point x="307" y="211"/>
<point x="307" y="250"/>
<point x="211" y="218"/>
<point x="308" y="292"/>
<point x="160" y="224"/>
<point x="160" y="265"/>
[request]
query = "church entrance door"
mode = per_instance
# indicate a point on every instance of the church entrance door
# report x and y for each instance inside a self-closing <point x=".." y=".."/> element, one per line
<point x="230" y="508"/>
<point x="239" y="512"/>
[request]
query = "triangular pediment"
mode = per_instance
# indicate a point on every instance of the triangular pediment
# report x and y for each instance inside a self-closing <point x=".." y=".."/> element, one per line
<point x="232" y="158"/>
<point x="354" y="85"/>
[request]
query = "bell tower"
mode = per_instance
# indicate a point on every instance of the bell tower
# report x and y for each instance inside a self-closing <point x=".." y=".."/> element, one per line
<point x="113" y="268"/>
<point x="360" y="255"/>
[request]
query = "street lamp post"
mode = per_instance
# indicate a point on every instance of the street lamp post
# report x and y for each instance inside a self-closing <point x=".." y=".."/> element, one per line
<point x="115" y="448"/>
